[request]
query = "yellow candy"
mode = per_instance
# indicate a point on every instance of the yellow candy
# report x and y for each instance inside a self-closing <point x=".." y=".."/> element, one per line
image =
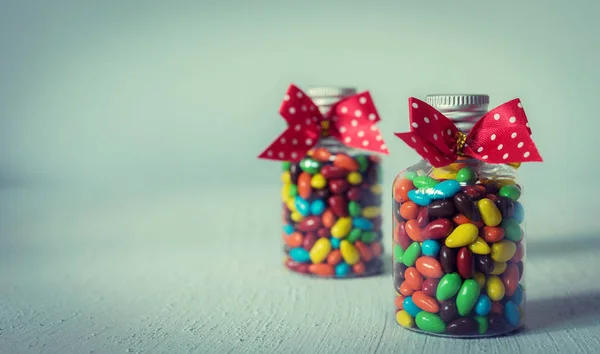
<point x="354" y="178"/>
<point x="480" y="279"/>
<point x="296" y="216"/>
<point x="349" y="252"/>
<point x="441" y="173"/>
<point x="489" y="212"/>
<point x="495" y="288"/>
<point x="320" y="250"/>
<point x="499" y="183"/>
<point x="286" y="178"/>
<point x="503" y="251"/>
<point x="462" y="235"/>
<point x="376" y="189"/>
<point x="479" y="246"/>
<point x="342" y="227"/>
<point x="290" y="203"/>
<point x="370" y="212"/>
<point x="318" y="181"/>
<point x="404" y="319"/>
<point x="285" y="192"/>
<point x="499" y="268"/>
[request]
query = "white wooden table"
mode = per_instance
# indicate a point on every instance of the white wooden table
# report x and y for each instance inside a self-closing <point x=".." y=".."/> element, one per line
<point x="200" y="271"/>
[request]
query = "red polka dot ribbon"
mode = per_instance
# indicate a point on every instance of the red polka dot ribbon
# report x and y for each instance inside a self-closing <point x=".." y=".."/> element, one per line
<point x="351" y="120"/>
<point x="501" y="136"/>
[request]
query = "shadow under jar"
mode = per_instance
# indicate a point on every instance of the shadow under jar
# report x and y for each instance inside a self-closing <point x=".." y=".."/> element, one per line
<point x="458" y="258"/>
<point x="332" y="206"/>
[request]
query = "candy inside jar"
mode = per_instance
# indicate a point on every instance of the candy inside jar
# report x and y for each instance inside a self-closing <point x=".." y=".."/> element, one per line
<point x="458" y="246"/>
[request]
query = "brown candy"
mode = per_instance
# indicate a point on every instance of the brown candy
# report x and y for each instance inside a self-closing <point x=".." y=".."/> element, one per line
<point x="430" y="286"/>
<point x="448" y="259"/>
<point x="443" y="208"/>
<point x="463" y="326"/>
<point x="448" y="311"/>
<point x="485" y="264"/>
<point x="466" y="206"/>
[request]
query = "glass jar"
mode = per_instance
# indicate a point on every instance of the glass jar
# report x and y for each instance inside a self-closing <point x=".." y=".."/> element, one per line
<point x="332" y="205"/>
<point x="458" y="257"/>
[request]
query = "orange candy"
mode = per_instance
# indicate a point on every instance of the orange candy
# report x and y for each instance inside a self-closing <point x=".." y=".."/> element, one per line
<point x="405" y="289"/>
<point x="334" y="257"/>
<point x="328" y="218"/>
<point x="401" y="188"/>
<point x="413" y="230"/>
<point x="321" y="154"/>
<point x="304" y="187"/>
<point x="322" y="269"/>
<point x="492" y="234"/>
<point x="425" y="302"/>
<point x="358" y="268"/>
<point x="364" y="251"/>
<point x="409" y="210"/>
<point x="429" y="267"/>
<point x="413" y="278"/>
<point x="294" y="239"/>
<point x="346" y="162"/>
<point x="398" y="302"/>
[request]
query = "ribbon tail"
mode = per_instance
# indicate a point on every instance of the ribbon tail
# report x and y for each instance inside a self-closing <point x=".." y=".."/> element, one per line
<point x="291" y="145"/>
<point x="426" y="150"/>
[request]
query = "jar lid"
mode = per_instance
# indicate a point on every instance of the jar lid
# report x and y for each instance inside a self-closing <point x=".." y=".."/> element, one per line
<point x="457" y="101"/>
<point x="330" y="92"/>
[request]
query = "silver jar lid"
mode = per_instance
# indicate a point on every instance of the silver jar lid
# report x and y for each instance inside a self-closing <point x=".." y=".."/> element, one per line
<point x="326" y="96"/>
<point x="463" y="109"/>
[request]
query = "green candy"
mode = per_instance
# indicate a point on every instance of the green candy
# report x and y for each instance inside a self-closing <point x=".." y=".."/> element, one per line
<point x="363" y="163"/>
<point x="410" y="175"/>
<point x="354" y="209"/>
<point x="430" y="322"/>
<point x="512" y="230"/>
<point x="293" y="190"/>
<point x="286" y="165"/>
<point x="310" y="165"/>
<point x="448" y="286"/>
<point x="398" y="252"/>
<point x="424" y="182"/>
<point x="466" y="175"/>
<point x="354" y="235"/>
<point x="368" y="236"/>
<point x="483" y="324"/>
<point x="411" y="254"/>
<point x="467" y="296"/>
<point x="510" y="191"/>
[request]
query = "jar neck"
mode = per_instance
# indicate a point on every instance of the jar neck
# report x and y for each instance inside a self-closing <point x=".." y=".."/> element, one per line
<point x="465" y="118"/>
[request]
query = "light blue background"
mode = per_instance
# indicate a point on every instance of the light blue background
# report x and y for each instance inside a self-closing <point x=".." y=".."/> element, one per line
<point x="132" y="94"/>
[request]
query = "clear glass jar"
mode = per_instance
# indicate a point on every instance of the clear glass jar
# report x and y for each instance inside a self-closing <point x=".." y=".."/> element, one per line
<point x="332" y="206"/>
<point x="458" y="261"/>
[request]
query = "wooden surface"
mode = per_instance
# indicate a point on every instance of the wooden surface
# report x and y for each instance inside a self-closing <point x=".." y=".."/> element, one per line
<point x="200" y="271"/>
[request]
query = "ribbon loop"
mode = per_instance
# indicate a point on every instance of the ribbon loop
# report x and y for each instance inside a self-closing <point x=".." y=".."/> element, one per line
<point x="501" y="136"/>
<point x="351" y="120"/>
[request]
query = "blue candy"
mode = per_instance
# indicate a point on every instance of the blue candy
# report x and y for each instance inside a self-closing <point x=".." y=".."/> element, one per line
<point x="419" y="197"/>
<point x="519" y="212"/>
<point x="517" y="297"/>
<point x="363" y="224"/>
<point x="335" y="243"/>
<point x="317" y="207"/>
<point x="342" y="269"/>
<point x="410" y="307"/>
<point x="302" y="206"/>
<point x="511" y="313"/>
<point x="430" y="248"/>
<point x="483" y="305"/>
<point x="445" y="189"/>
<point x="288" y="229"/>
<point x="299" y="255"/>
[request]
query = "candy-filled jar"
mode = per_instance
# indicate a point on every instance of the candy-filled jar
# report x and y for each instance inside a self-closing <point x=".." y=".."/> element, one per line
<point x="458" y="238"/>
<point x="331" y="193"/>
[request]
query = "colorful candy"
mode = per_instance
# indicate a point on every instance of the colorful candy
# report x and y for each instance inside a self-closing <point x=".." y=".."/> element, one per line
<point x="457" y="252"/>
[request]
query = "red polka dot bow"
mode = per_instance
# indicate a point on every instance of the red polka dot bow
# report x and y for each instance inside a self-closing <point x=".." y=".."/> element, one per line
<point x="501" y="136"/>
<point x="350" y="120"/>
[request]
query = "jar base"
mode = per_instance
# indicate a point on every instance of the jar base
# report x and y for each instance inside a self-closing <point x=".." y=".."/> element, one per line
<point x="507" y="332"/>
